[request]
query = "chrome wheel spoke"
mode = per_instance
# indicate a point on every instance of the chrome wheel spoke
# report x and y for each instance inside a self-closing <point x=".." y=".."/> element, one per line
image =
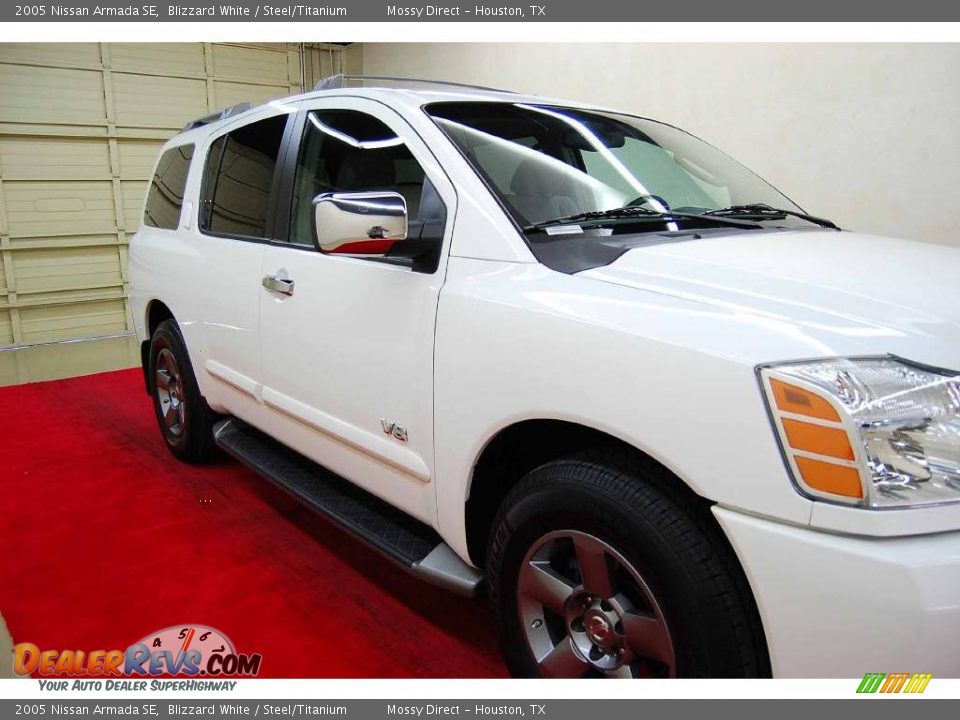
<point x="595" y="574"/>
<point x="539" y="582"/>
<point x="171" y="416"/>
<point x="163" y="379"/>
<point x="647" y="637"/>
<point x="563" y="661"/>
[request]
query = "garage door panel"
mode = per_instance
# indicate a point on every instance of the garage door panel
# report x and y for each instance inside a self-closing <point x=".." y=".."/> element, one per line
<point x="48" y="323"/>
<point x="57" y="158"/>
<point x="52" y="54"/>
<point x="59" y="208"/>
<point x="133" y="193"/>
<point x="167" y="58"/>
<point x="65" y="269"/>
<point x="62" y="241"/>
<point x="228" y="93"/>
<point x="6" y="328"/>
<point x="250" y="63"/>
<point x="69" y="174"/>
<point x="144" y="101"/>
<point x="54" y="298"/>
<point x="51" y="130"/>
<point x="36" y="95"/>
<point x="137" y="158"/>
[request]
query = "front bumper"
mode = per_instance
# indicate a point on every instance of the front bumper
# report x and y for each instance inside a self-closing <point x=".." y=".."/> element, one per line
<point x="838" y="606"/>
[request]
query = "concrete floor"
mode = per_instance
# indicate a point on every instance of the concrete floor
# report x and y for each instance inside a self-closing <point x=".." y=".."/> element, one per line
<point x="6" y="651"/>
<point x="54" y="361"/>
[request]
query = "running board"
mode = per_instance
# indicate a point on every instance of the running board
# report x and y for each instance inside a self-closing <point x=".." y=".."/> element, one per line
<point x="401" y="538"/>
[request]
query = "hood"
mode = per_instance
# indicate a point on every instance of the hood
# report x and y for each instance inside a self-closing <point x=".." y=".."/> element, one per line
<point x="825" y="292"/>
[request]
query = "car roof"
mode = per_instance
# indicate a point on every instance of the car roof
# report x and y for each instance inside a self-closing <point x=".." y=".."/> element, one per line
<point x="409" y="98"/>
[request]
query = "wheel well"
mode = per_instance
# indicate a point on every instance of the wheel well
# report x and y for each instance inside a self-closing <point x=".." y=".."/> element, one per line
<point x="520" y="448"/>
<point x="157" y="312"/>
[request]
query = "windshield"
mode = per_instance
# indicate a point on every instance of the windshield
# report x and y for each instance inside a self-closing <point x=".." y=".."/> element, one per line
<point x="548" y="162"/>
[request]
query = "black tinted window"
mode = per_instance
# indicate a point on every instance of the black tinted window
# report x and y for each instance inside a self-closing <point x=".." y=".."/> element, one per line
<point x="239" y="178"/>
<point x="165" y="197"/>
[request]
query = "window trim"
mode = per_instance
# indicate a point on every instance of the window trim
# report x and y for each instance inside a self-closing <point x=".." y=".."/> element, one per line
<point x="284" y="213"/>
<point x="205" y="197"/>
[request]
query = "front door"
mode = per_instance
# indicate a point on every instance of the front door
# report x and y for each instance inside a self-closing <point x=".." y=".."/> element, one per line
<point x="347" y="342"/>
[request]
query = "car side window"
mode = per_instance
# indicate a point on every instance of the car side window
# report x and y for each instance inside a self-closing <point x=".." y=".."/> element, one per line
<point x="350" y="151"/>
<point x="165" y="196"/>
<point x="238" y="179"/>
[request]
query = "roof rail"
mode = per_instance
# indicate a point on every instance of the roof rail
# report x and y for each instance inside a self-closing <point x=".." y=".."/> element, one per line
<point x="218" y="115"/>
<point x="335" y="82"/>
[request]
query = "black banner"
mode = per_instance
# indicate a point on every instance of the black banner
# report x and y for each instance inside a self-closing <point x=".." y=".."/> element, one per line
<point x="479" y="11"/>
<point x="164" y="709"/>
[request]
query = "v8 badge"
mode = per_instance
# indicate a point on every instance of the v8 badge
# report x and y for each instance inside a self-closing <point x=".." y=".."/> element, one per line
<point x="391" y="428"/>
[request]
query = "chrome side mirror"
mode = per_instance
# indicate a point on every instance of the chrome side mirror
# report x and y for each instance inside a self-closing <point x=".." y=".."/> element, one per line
<point x="359" y="223"/>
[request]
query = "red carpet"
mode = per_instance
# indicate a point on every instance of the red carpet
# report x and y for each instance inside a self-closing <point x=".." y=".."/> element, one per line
<point x="105" y="538"/>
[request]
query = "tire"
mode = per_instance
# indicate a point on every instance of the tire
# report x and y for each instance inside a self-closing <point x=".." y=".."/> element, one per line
<point x="185" y="419"/>
<point x="601" y="567"/>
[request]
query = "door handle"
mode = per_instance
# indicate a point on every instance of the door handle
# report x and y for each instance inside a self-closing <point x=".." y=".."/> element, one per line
<point x="278" y="284"/>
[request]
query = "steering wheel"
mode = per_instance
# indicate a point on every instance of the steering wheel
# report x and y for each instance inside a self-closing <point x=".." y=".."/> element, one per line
<point x="645" y="199"/>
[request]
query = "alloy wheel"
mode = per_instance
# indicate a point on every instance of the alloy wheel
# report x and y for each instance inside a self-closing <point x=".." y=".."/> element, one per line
<point x="169" y="383"/>
<point x="587" y="612"/>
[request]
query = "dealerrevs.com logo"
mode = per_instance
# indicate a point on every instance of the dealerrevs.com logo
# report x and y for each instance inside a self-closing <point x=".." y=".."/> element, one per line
<point x="178" y="651"/>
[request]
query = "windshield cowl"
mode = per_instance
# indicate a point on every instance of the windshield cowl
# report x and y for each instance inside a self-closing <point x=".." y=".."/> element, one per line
<point x="640" y="216"/>
<point x="588" y="248"/>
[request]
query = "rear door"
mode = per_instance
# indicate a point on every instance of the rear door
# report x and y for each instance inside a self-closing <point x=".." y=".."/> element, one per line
<point x="235" y="221"/>
<point x="348" y="356"/>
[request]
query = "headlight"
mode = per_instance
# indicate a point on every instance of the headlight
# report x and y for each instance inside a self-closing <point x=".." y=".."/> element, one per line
<point x="879" y="432"/>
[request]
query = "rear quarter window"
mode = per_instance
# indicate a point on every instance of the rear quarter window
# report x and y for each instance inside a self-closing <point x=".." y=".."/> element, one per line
<point x="165" y="196"/>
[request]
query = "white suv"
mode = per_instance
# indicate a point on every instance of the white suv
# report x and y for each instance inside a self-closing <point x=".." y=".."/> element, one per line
<point x="674" y="425"/>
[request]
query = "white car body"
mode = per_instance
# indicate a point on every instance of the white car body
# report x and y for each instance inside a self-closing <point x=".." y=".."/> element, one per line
<point x="659" y="349"/>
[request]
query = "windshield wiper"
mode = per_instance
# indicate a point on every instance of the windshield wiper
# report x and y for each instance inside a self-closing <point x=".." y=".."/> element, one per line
<point x="764" y="211"/>
<point x="638" y="212"/>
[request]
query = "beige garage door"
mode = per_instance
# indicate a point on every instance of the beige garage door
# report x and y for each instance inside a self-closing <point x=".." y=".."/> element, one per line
<point x="80" y="126"/>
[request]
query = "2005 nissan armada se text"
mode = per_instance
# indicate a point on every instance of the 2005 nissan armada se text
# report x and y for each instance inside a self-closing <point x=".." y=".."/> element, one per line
<point x="674" y="425"/>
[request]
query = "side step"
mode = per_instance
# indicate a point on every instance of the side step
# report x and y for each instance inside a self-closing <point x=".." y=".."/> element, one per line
<point x="403" y="539"/>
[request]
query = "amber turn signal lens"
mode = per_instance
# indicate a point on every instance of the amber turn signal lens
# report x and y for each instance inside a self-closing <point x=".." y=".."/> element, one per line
<point x="817" y="439"/>
<point x="829" y="478"/>
<point x="793" y="399"/>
